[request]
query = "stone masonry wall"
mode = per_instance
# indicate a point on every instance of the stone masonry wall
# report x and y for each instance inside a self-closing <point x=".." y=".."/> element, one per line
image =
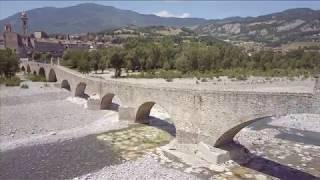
<point x="210" y="116"/>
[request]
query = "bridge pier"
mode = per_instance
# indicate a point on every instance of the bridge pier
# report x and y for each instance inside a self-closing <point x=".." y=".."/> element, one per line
<point x="316" y="96"/>
<point x="93" y="104"/>
<point x="185" y="137"/>
<point x="127" y="114"/>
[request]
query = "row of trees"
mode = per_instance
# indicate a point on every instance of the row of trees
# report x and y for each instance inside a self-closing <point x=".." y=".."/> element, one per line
<point x="200" y="56"/>
<point x="9" y="63"/>
<point x="41" y="57"/>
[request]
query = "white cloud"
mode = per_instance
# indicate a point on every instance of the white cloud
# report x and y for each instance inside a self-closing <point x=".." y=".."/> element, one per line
<point x="165" y="13"/>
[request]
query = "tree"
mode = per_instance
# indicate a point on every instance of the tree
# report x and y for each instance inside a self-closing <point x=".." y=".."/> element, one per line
<point x="84" y="63"/>
<point x="103" y="63"/>
<point x="168" y="54"/>
<point x="9" y="63"/>
<point x="71" y="58"/>
<point x="183" y="64"/>
<point x="130" y="59"/>
<point x="36" y="56"/>
<point x="142" y="55"/>
<point x="117" y="61"/>
<point x="95" y="58"/>
<point x="204" y="59"/>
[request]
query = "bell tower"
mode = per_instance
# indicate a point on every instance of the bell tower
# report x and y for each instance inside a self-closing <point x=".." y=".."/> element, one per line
<point x="24" y="20"/>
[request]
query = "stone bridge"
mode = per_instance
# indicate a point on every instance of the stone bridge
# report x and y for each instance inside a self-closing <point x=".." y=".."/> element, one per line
<point x="213" y="117"/>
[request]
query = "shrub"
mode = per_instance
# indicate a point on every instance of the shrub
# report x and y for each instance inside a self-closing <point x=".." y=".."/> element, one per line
<point x="305" y="76"/>
<point x="24" y="86"/>
<point x="204" y="80"/>
<point x="2" y="80"/>
<point x="13" y="81"/>
<point x="169" y="74"/>
<point x="169" y="80"/>
<point x="241" y="78"/>
<point x="291" y="78"/>
<point x="36" y="78"/>
<point x="231" y="76"/>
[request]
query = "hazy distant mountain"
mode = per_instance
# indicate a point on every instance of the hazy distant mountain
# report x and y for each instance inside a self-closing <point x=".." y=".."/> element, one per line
<point x="300" y="24"/>
<point x="90" y="17"/>
<point x="290" y="25"/>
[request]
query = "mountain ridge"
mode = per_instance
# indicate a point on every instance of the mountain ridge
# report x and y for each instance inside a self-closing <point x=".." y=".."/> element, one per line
<point x="299" y="24"/>
<point x="90" y="17"/>
<point x="288" y="25"/>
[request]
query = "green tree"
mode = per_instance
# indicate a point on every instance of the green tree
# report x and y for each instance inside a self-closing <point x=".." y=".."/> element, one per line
<point x="71" y="58"/>
<point x="117" y="61"/>
<point x="84" y="63"/>
<point x="183" y="64"/>
<point x="9" y="63"/>
<point x="95" y="59"/>
<point x="36" y="56"/>
<point x="103" y="63"/>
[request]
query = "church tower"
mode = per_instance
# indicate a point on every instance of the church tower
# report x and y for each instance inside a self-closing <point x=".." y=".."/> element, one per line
<point x="24" y="20"/>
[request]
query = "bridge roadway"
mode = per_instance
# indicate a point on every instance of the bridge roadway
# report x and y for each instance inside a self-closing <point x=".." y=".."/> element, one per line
<point x="212" y="117"/>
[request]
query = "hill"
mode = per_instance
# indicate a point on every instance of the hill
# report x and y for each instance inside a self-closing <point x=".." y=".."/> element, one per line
<point x="300" y="24"/>
<point x="91" y="17"/>
<point x="292" y="25"/>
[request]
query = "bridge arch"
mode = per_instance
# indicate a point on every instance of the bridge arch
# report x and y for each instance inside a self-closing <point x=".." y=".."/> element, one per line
<point x="227" y="137"/>
<point x="42" y="72"/>
<point x="65" y="84"/>
<point x="52" y="76"/>
<point x="80" y="90"/>
<point x="155" y="115"/>
<point x="23" y="69"/>
<point x="110" y="101"/>
<point x="143" y="112"/>
<point x="28" y="69"/>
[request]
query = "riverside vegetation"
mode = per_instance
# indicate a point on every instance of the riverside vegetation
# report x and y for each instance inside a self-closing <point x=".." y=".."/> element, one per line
<point x="9" y="65"/>
<point x="36" y="78"/>
<point x="174" y="58"/>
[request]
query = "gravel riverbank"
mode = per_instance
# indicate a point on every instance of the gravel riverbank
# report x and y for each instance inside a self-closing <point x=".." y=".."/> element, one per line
<point x="287" y="147"/>
<point x="45" y="133"/>
<point x="40" y="110"/>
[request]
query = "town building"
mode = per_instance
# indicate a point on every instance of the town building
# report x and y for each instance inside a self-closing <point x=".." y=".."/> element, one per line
<point x="27" y="44"/>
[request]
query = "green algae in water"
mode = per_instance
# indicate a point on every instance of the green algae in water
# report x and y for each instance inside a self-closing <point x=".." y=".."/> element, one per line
<point x="136" y="140"/>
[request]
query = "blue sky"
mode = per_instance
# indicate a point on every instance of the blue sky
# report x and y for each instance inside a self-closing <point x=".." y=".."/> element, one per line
<point x="201" y="9"/>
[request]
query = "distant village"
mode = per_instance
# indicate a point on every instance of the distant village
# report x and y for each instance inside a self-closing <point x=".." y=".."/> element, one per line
<point x="27" y="44"/>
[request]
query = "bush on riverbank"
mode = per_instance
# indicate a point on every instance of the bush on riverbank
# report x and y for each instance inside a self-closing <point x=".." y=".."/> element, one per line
<point x="13" y="81"/>
<point x="9" y="63"/>
<point x="24" y="86"/>
<point x="36" y="78"/>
